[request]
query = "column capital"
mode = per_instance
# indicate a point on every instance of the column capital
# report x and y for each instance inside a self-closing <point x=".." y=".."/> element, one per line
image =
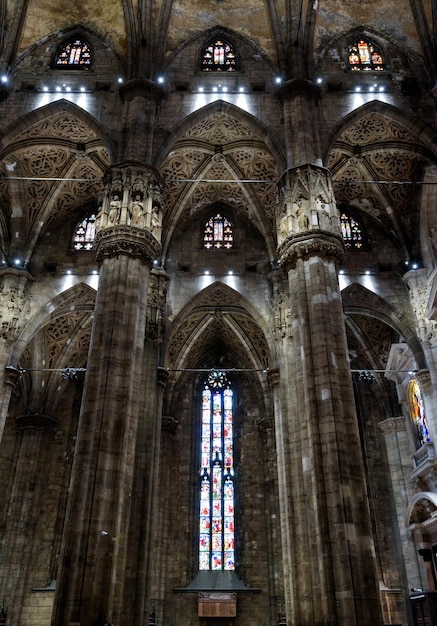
<point x="125" y="240"/>
<point x="298" y="87"/>
<point x="142" y="88"/>
<point x="393" y="425"/>
<point x="326" y="245"/>
<point x="36" y="421"/>
<point x="307" y="218"/>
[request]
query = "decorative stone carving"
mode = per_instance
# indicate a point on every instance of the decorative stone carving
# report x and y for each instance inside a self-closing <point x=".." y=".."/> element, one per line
<point x="13" y="301"/>
<point x="393" y="425"/>
<point x="132" y="198"/>
<point x="306" y="203"/>
<point x="120" y="239"/>
<point x="36" y="421"/>
<point x="419" y="293"/>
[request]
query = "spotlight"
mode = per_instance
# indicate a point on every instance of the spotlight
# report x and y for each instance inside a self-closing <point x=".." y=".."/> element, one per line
<point x="278" y="80"/>
<point x="160" y="79"/>
<point x="119" y="80"/>
<point x="319" y="80"/>
<point x="4" y="78"/>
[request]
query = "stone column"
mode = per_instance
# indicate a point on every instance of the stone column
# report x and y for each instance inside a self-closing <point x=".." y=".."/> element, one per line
<point x="23" y="509"/>
<point x="399" y="460"/>
<point x="327" y="524"/>
<point x="13" y="316"/>
<point x="91" y="582"/>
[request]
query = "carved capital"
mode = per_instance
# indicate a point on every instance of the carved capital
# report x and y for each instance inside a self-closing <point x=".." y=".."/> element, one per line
<point x="303" y="247"/>
<point x="128" y="241"/>
<point x="424" y="380"/>
<point x="306" y="203"/>
<point x="35" y="421"/>
<point x="273" y="377"/>
<point x="169" y="424"/>
<point x="141" y="88"/>
<point x="393" y="425"/>
<point x="299" y="87"/>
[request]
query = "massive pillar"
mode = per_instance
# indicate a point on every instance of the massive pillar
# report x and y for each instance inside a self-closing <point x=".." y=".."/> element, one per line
<point x="330" y="577"/>
<point x="97" y="582"/>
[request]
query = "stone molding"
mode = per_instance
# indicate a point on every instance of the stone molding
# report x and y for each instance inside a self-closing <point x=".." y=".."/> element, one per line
<point x="393" y="425"/>
<point x="36" y="421"/>
<point x="303" y="247"/>
<point x="142" y="88"/>
<point x="126" y="240"/>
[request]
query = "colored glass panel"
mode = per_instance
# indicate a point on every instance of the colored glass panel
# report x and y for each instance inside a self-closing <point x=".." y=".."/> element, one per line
<point x="219" y="56"/>
<point x="417" y="412"/>
<point x="352" y="232"/>
<point x="75" y="53"/>
<point x="218" y="233"/>
<point x="85" y="233"/>
<point x="216" y="511"/>
<point x="365" y="56"/>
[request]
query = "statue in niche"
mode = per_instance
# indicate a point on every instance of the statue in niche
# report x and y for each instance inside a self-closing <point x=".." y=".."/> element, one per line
<point x="114" y="209"/>
<point x="302" y="218"/>
<point x="137" y="211"/>
<point x="154" y="225"/>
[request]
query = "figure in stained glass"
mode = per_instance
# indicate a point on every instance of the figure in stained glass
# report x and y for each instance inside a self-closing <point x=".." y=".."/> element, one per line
<point x="216" y="508"/>
<point x="364" y="55"/>
<point x="74" y="54"/>
<point x="219" y="56"/>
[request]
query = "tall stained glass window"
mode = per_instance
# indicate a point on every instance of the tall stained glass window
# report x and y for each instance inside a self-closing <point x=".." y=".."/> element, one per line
<point x="73" y="54"/>
<point x="352" y="232"/>
<point x="85" y="233"/>
<point x="219" y="56"/>
<point x="218" y="233"/>
<point x="365" y="56"/>
<point x="216" y="511"/>
<point x="417" y="412"/>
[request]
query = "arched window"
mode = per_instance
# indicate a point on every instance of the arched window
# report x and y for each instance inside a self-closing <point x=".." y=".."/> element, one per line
<point x="85" y="233"/>
<point x="219" y="56"/>
<point x="417" y="412"/>
<point x="365" y="56"/>
<point x="216" y="492"/>
<point x="352" y="232"/>
<point x="218" y="233"/>
<point x="74" y="54"/>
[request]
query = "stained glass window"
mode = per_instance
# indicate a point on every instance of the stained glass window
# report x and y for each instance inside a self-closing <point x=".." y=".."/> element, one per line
<point x="216" y="512"/>
<point x="365" y="56"/>
<point x="352" y="232"/>
<point x="218" y="233"/>
<point x="219" y="56"/>
<point x="417" y="412"/>
<point x="73" y="54"/>
<point x="84" y="234"/>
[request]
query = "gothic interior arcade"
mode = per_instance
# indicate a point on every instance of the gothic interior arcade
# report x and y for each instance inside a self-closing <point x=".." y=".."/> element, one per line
<point x="218" y="277"/>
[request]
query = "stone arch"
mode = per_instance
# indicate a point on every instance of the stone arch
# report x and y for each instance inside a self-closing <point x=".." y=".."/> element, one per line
<point x="219" y="317"/>
<point x="50" y="174"/>
<point x="360" y="301"/>
<point x="79" y="298"/>
<point x="212" y="156"/>
<point x="56" y="37"/>
<point x="422" y="508"/>
<point x="200" y="39"/>
<point x="376" y="157"/>
<point x="60" y="332"/>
